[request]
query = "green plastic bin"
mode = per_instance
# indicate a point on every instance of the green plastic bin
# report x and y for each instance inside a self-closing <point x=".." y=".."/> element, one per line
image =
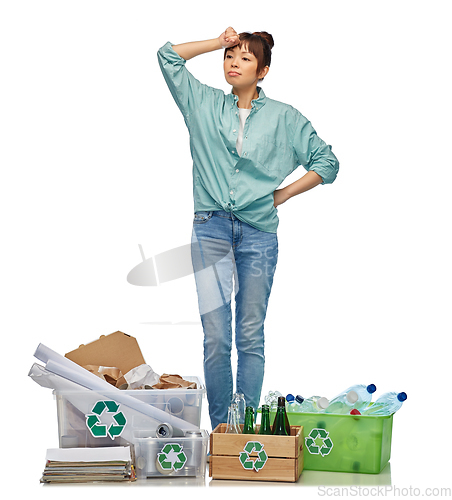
<point x="344" y="443"/>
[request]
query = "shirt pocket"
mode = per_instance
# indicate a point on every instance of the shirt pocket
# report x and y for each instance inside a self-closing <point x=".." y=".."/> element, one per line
<point x="275" y="157"/>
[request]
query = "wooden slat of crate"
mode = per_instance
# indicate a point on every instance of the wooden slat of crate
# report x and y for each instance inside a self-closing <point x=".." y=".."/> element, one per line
<point x="275" y="446"/>
<point x="276" y="469"/>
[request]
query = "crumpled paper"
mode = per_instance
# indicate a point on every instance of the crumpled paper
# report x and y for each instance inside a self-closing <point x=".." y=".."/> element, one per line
<point x="110" y="374"/>
<point x="173" y="382"/>
<point x="142" y="376"/>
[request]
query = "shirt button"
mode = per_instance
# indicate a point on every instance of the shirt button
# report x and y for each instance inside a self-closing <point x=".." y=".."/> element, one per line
<point x="234" y="131"/>
<point x="237" y="170"/>
<point x="231" y="192"/>
<point x="233" y="151"/>
<point x="245" y="153"/>
<point x="246" y="137"/>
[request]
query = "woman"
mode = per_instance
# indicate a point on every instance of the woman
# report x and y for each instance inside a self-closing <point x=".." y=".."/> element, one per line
<point x="243" y="146"/>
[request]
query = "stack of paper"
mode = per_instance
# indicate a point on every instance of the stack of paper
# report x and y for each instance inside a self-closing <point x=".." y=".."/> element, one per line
<point x="82" y="465"/>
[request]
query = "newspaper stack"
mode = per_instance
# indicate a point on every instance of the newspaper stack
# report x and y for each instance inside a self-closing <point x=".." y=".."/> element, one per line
<point x="83" y="465"/>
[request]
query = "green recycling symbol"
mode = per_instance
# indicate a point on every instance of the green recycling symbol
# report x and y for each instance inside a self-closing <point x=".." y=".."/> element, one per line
<point x="172" y="457"/>
<point x="99" y="429"/>
<point x="245" y="459"/>
<point x="318" y="442"/>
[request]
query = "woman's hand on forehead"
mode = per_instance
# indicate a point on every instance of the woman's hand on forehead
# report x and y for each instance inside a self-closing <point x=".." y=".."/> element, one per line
<point x="229" y="38"/>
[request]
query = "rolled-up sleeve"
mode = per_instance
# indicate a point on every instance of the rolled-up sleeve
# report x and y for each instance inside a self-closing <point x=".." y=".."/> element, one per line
<point x="186" y="90"/>
<point x="313" y="153"/>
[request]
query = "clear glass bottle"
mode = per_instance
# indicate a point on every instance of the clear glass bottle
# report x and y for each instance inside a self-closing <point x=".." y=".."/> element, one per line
<point x="239" y="400"/>
<point x="232" y="426"/>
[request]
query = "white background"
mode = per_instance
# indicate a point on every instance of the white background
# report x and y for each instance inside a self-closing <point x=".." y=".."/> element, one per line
<point x="95" y="160"/>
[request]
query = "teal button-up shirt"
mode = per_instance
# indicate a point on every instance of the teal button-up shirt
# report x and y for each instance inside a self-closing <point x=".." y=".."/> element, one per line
<point x="276" y="140"/>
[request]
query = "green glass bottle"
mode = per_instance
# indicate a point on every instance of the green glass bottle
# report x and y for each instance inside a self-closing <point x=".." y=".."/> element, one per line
<point x="265" y="427"/>
<point x="281" y="424"/>
<point x="248" y="427"/>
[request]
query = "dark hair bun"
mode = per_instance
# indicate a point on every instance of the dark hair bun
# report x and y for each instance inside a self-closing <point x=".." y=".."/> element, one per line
<point x="266" y="36"/>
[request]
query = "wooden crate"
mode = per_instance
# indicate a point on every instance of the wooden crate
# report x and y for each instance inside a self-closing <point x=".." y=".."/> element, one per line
<point x="232" y="457"/>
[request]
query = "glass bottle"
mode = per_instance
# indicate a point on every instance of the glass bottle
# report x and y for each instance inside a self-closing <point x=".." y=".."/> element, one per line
<point x="281" y="425"/>
<point x="232" y="425"/>
<point x="282" y="402"/>
<point x="265" y="427"/>
<point x="248" y="427"/>
<point x="239" y="400"/>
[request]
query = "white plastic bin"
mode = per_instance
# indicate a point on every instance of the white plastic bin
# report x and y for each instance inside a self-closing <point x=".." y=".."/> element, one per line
<point x="89" y="419"/>
<point x="172" y="457"/>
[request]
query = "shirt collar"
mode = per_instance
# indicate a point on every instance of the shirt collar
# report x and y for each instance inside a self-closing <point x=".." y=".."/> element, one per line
<point x="255" y="103"/>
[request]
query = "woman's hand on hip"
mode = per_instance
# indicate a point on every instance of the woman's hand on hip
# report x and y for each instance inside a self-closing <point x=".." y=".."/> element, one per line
<point x="280" y="196"/>
<point x="310" y="180"/>
<point x="229" y="38"/>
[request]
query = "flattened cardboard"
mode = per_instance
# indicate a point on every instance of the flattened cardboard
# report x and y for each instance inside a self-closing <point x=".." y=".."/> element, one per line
<point x="117" y="349"/>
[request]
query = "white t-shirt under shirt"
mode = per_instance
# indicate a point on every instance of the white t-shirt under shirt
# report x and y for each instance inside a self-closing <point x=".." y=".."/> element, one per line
<point x="243" y="113"/>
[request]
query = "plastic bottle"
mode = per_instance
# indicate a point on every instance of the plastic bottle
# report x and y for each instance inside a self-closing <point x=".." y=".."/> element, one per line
<point x="290" y="401"/>
<point x="355" y="397"/>
<point x="295" y="405"/>
<point x="271" y="399"/>
<point x="342" y="403"/>
<point x="314" y="404"/>
<point x="387" y="404"/>
<point x="365" y="393"/>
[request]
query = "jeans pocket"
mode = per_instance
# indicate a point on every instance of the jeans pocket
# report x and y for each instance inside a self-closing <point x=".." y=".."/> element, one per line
<point x="202" y="217"/>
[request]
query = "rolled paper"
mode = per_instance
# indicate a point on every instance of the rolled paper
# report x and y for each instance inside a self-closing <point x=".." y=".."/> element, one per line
<point x="191" y="414"/>
<point x="81" y="398"/>
<point x="175" y="406"/>
<point x="69" y="370"/>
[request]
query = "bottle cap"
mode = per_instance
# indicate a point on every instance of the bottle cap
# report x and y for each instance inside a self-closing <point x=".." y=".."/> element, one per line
<point x="401" y="396"/>
<point x="281" y="401"/>
<point x="323" y="403"/>
<point x="371" y="388"/>
<point x="355" y="412"/>
<point x="289" y="397"/>
<point x="352" y="397"/>
<point x="299" y="399"/>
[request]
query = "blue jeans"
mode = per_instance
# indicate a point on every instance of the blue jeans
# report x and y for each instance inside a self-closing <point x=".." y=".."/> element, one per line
<point x="227" y="252"/>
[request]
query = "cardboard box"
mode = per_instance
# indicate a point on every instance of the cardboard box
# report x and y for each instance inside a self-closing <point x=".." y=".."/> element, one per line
<point x="273" y="458"/>
<point x="117" y="349"/>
